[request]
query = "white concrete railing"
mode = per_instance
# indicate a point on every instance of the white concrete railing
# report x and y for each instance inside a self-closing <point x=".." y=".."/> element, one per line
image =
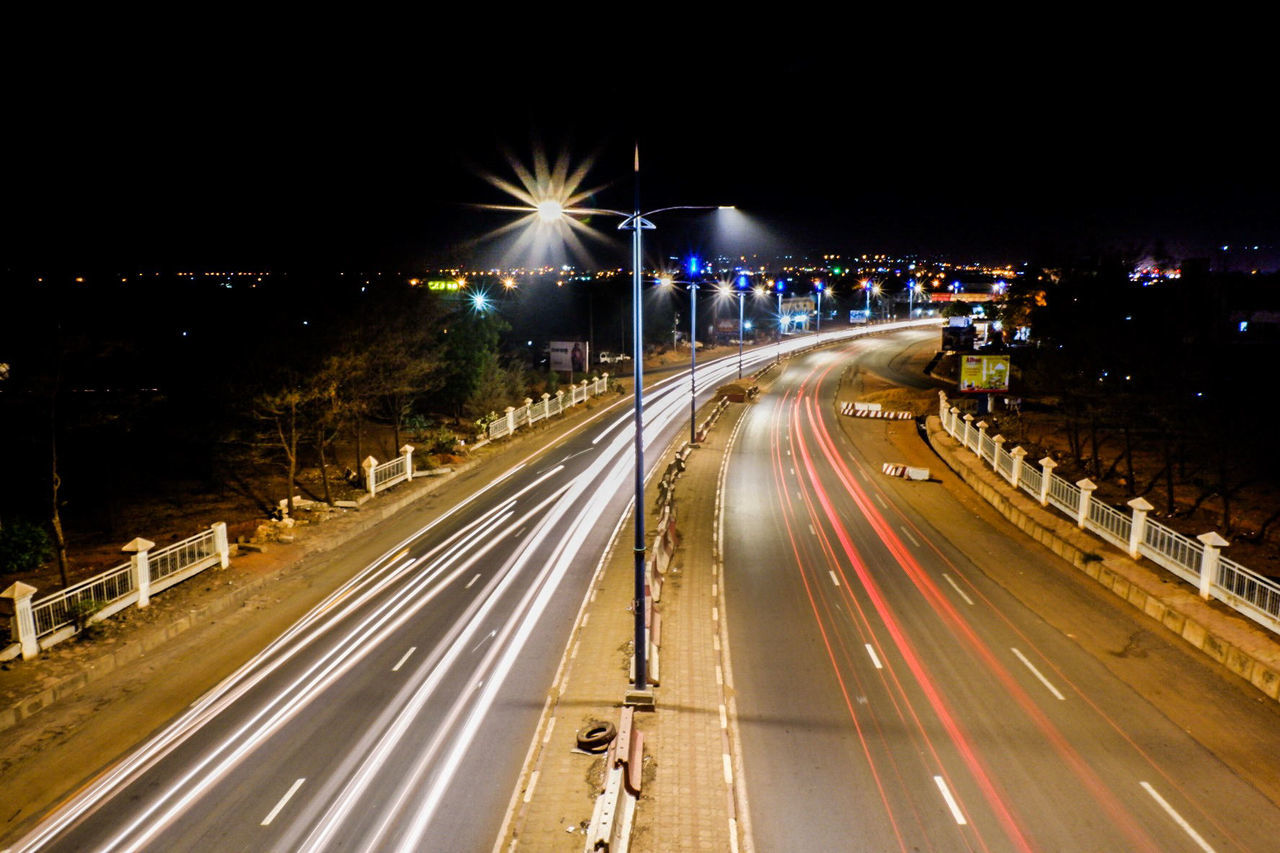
<point x="378" y="477"/>
<point x="39" y="624"/>
<point x="531" y="412"/>
<point x="1197" y="561"/>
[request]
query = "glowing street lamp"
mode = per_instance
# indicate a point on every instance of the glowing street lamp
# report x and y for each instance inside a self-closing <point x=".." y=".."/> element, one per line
<point x="551" y="212"/>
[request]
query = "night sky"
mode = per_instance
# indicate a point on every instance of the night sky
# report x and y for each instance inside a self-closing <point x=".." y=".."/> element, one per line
<point x="259" y="156"/>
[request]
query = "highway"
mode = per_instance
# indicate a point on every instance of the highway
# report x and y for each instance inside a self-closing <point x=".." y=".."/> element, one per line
<point x="891" y="696"/>
<point x="396" y="714"/>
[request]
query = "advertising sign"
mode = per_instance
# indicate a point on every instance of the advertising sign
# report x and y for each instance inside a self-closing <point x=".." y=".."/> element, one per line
<point x="984" y="374"/>
<point x="570" y="356"/>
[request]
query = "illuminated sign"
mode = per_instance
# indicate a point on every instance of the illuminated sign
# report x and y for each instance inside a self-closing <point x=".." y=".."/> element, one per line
<point x="442" y="285"/>
<point x="984" y="374"/>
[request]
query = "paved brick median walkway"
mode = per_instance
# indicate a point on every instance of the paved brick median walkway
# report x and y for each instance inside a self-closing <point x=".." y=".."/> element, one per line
<point x="686" y="800"/>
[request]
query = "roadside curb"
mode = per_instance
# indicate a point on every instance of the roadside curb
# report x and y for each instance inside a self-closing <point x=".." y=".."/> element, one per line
<point x="1247" y="651"/>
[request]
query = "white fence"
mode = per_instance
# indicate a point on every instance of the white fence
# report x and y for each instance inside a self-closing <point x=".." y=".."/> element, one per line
<point x="1197" y="561"/>
<point x="531" y="412"/>
<point x="38" y="624"/>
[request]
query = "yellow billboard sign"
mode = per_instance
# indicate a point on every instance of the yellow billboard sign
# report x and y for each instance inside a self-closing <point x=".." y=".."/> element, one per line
<point x="984" y="374"/>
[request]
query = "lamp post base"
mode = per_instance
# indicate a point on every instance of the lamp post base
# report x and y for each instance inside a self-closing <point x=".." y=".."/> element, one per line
<point x="641" y="700"/>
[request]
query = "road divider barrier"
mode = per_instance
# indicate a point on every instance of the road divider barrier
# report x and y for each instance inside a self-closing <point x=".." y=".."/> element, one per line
<point x="610" y="828"/>
<point x="855" y="409"/>
<point x="906" y="472"/>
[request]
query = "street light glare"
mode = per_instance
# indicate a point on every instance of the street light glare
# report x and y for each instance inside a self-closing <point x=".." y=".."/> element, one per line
<point x="550" y="211"/>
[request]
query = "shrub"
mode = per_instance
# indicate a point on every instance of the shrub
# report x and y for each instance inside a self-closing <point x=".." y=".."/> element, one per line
<point x="23" y="546"/>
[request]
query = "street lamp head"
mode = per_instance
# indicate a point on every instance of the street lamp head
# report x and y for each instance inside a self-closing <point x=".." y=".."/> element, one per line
<point x="550" y="211"/>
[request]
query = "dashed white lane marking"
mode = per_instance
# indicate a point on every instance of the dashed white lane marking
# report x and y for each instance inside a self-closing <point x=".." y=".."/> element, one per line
<point x="875" y="659"/>
<point x="799" y="496"/>
<point x="551" y="726"/>
<point x="715" y="614"/>
<point x="957" y="588"/>
<point x="533" y="780"/>
<point x="909" y="536"/>
<point x="293" y="789"/>
<point x="881" y="501"/>
<point x="485" y="639"/>
<point x="835" y="580"/>
<point x="812" y="532"/>
<point x="713" y="591"/>
<point x="719" y="676"/>
<point x="573" y="654"/>
<point x="951" y="801"/>
<point x="728" y="768"/>
<point x="470" y="582"/>
<point x="724" y="719"/>
<point x="1037" y="674"/>
<point x="404" y="658"/>
<point x="585" y="617"/>
<point x="1177" y="818"/>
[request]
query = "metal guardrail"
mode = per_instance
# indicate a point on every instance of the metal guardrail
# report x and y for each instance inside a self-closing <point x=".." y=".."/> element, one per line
<point x="1171" y="549"/>
<point x="65" y="607"/>
<point x="1065" y="496"/>
<point x="1109" y="523"/>
<point x="389" y="472"/>
<point x="174" y="558"/>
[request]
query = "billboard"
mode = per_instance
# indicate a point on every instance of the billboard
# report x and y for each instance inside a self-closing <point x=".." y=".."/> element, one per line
<point x="570" y="356"/>
<point x="984" y="374"/>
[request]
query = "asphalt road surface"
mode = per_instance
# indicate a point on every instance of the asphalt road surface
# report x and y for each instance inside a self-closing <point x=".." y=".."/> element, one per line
<point x="397" y="713"/>
<point x="892" y="696"/>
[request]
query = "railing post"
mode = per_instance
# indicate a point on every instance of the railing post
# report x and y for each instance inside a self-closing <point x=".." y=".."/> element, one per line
<point x="137" y="551"/>
<point x="560" y="400"/>
<point x="968" y="429"/>
<point x="604" y="382"/>
<point x="1015" y="473"/>
<point x="369" y="464"/>
<point x="528" y="410"/>
<point x="1046" y="475"/>
<point x="951" y="424"/>
<point x="511" y="419"/>
<point x="998" y="441"/>
<point x="407" y="452"/>
<point x="220" y="544"/>
<point x="1086" y="494"/>
<point x="546" y="404"/>
<point x="1213" y="545"/>
<point x="16" y="602"/>
<point x="1138" y="527"/>
<point x="585" y="395"/>
<point x="942" y="407"/>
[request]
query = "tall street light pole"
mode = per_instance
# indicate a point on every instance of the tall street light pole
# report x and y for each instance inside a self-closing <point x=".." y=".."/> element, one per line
<point x="635" y="222"/>
<point x="693" y="351"/>
<point x="818" y="331"/>
<point x="740" y="296"/>
<point x="779" y="286"/>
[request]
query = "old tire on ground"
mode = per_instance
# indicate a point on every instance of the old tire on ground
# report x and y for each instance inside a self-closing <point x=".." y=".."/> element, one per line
<point x="595" y="736"/>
